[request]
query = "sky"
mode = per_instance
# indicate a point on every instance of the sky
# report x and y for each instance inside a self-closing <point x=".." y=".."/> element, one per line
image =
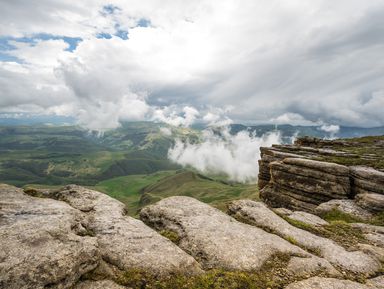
<point x="250" y="61"/>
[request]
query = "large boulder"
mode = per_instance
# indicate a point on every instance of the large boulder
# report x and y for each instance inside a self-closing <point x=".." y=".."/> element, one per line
<point x="217" y="240"/>
<point x="126" y="243"/>
<point x="80" y="233"/>
<point x="260" y="215"/>
<point x="44" y="242"/>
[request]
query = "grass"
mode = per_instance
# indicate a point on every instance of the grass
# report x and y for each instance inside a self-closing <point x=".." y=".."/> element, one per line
<point x="273" y="274"/>
<point x="136" y="191"/>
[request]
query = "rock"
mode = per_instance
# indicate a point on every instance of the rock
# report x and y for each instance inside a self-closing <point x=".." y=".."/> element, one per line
<point x="307" y="218"/>
<point x="372" y="202"/>
<point x="377" y="283"/>
<point x="125" y="242"/>
<point x="42" y="242"/>
<point x="305" y="267"/>
<point x="331" y="170"/>
<point x="326" y="283"/>
<point x="215" y="239"/>
<point x="375" y="238"/>
<point x="374" y="251"/>
<point x="303" y="184"/>
<point x="345" y="206"/>
<point x="367" y="173"/>
<point x="282" y="211"/>
<point x="367" y="228"/>
<point x="258" y="214"/>
<point x="103" y="284"/>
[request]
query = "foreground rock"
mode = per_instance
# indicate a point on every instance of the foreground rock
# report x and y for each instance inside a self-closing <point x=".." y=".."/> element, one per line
<point x="51" y="243"/>
<point x="307" y="218"/>
<point x="258" y="214"/>
<point x="103" y="284"/>
<point x="125" y="242"/>
<point x="217" y="240"/>
<point x="327" y="283"/>
<point x="42" y="242"/>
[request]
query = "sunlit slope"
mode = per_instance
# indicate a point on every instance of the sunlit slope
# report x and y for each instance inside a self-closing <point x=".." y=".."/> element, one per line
<point x="137" y="191"/>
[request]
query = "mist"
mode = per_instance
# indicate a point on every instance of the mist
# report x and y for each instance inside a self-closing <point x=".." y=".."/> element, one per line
<point x="235" y="156"/>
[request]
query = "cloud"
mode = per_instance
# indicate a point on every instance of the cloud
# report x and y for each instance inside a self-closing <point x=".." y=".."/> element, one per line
<point x="233" y="155"/>
<point x="269" y="61"/>
<point x="331" y="129"/>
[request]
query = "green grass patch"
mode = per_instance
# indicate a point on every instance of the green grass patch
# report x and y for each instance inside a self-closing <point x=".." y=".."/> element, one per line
<point x="273" y="274"/>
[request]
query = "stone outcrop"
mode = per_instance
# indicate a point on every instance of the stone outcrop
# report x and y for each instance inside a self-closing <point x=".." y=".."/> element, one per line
<point x="79" y="238"/>
<point x="51" y="243"/>
<point x="349" y="207"/>
<point x="43" y="242"/>
<point x="299" y="177"/>
<point x="217" y="240"/>
<point x="260" y="215"/>
<point x="303" y="184"/>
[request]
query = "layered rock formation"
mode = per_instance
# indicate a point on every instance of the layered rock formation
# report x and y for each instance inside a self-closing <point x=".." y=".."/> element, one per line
<point x="309" y="173"/>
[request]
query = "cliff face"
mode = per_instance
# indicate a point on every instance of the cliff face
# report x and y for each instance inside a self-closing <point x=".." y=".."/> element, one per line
<point x="311" y="172"/>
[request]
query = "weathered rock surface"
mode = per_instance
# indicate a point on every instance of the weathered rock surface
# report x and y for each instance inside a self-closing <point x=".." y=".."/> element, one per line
<point x="327" y="283"/>
<point x="377" y="282"/>
<point x="216" y="239"/>
<point x="371" y="202"/>
<point x="258" y="214"/>
<point x="345" y="206"/>
<point x="53" y="242"/>
<point x="299" y="177"/>
<point x="42" y="242"/>
<point x="103" y="284"/>
<point x="367" y="180"/>
<point x="125" y="242"/>
<point x="307" y="218"/>
<point x="303" y="184"/>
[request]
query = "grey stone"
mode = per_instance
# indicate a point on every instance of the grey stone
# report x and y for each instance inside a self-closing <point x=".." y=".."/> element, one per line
<point x="371" y="202"/>
<point x="42" y="242"/>
<point x="214" y="238"/>
<point x="326" y="283"/>
<point x="308" y="218"/>
<point x="102" y="284"/>
<point x="345" y="206"/>
<point x="258" y="214"/>
<point x="125" y="242"/>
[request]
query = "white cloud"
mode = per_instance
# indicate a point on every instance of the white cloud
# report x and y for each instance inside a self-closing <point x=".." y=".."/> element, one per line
<point x="293" y="61"/>
<point x="233" y="155"/>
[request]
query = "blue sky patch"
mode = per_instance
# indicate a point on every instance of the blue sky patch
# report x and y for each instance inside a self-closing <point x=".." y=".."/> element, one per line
<point x="144" y="22"/>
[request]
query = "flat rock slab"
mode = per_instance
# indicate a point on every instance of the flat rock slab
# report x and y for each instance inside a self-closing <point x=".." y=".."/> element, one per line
<point x="215" y="239"/>
<point x="307" y="218"/>
<point x="42" y="242"/>
<point x="327" y="283"/>
<point x="260" y="215"/>
<point x="125" y="242"/>
<point x="349" y="207"/>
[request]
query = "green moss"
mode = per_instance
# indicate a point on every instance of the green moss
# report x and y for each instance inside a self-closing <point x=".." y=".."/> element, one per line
<point x="378" y="219"/>
<point x="273" y="274"/>
<point x="336" y="215"/>
<point x="171" y="235"/>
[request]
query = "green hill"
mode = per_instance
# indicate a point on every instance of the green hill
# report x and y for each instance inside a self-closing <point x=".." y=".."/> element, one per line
<point x="137" y="191"/>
